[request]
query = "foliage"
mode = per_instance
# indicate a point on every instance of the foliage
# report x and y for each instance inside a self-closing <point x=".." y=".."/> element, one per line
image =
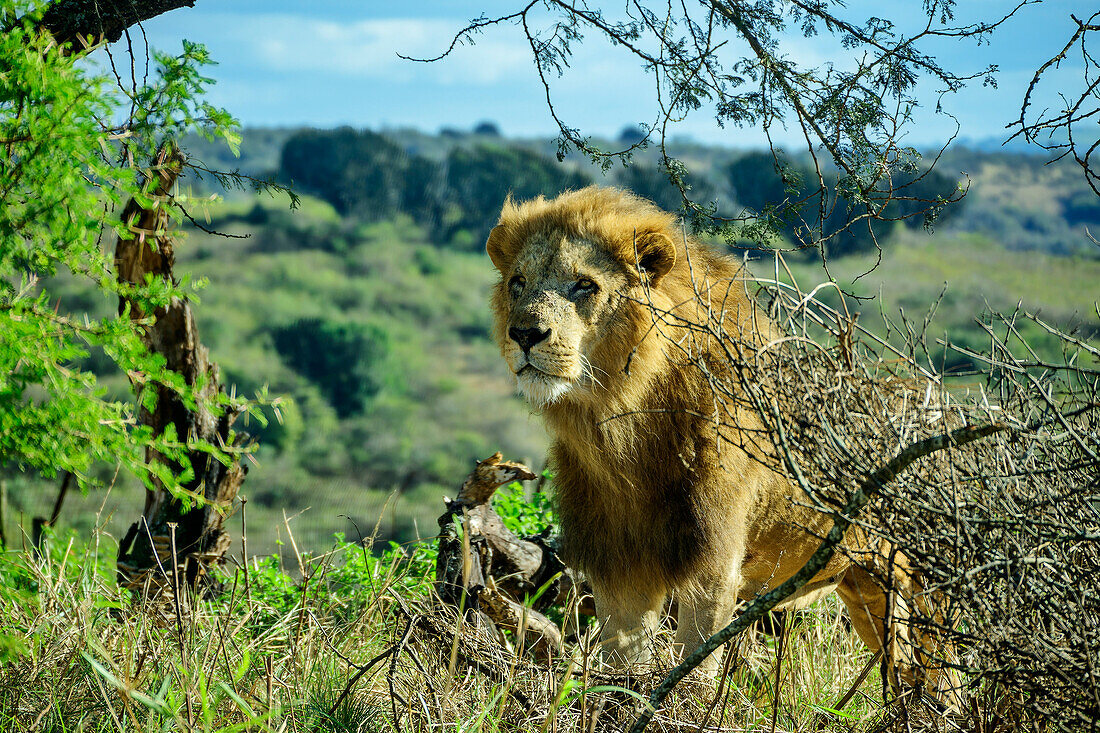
<point x="18" y="585"/>
<point x="734" y="58"/>
<point x="1081" y="207"/>
<point x="781" y="191"/>
<point x="62" y="183"/>
<point x="364" y="174"/>
<point x="371" y="177"/>
<point x="480" y="178"/>
<point x="342" y="359"/>
<point x="653" y="183"/>
<point x="357" y="171"/>
<point x="525" y="515"/>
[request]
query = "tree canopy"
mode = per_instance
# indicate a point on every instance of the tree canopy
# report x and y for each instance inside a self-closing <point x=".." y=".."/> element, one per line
<point x="734" y="59"/>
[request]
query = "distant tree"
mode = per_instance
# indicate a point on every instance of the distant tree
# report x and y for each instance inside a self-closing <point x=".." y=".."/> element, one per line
<point x="479" y="179"/>
<point x="632" y="135"/>
<point x="650" y="181"/>
<point x="341" y="358"/>
<point x="487" y="129"/>
<point x="775" y="189"/>
<point x="359" y="172"/>
<point x="422" y="189"/>
<point x="366" y="175"/>
<point x="1081" y="208"/>
<point x="354" y="170"/>
<point x="761" y="179"/>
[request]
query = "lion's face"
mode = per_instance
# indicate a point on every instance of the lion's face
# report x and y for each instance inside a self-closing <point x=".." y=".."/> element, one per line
<point x="558" y="298"/>
<point x="572" y="271"/>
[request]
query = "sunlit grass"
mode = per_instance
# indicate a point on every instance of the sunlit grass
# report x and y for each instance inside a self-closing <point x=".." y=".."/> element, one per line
<point x="362" y="647"/>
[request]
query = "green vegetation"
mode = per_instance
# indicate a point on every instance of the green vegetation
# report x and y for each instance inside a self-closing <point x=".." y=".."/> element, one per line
<point x="372" y="178"/>
<point x="414" y="392"/>
<point x="358" y="172"/>
<point x="344" y="642"/>
<point x="479" y="178"/>
<point x="783" y="191"/>
<point x="975" y="276"/>
<point x="364" y="310"/>
<point x="377" y="330"/>
<point x="343" y="360"/>
<point x="61" y="181"/>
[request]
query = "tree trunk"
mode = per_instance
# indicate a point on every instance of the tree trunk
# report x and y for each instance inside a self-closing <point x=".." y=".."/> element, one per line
<point x="70" y="20"/>
<point x="145" y="556"/>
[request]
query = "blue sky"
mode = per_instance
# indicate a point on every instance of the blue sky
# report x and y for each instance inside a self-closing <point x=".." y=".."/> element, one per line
<point x="331" y="62"/>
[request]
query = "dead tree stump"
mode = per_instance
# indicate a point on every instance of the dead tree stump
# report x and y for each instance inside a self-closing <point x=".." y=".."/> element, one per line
<point x="145" y="555"/>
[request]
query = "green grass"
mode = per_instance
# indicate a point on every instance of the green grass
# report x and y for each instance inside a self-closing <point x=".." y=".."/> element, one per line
<point x="359" y="646"/>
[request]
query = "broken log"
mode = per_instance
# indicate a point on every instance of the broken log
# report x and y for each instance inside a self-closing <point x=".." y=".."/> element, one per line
<point x="482" y="565"/>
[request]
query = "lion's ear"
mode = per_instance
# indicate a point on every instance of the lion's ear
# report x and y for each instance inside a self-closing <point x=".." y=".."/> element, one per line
<point x="656" y="254"/>
<point x="495" y="247"/>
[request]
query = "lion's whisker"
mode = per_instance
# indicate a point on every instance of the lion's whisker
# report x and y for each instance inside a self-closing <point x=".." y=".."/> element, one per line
<point x="589" y="371"/>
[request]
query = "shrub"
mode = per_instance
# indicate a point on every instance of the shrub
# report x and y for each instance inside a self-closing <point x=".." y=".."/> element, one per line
<point x="341" y="358"/>
<point x="359" y="172"/>
<point x="651" y="182"/>
<point x="479" y="179"/>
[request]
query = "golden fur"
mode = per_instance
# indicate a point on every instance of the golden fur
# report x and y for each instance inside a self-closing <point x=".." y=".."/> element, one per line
<point x="649" y="507"/>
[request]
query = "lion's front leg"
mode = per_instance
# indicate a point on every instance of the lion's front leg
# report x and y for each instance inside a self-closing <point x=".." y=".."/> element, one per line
<point x="706" y="611"/>
<point x="631" y="617"/>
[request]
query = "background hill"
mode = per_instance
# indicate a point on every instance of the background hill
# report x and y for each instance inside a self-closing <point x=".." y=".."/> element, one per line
<point x="365" y="309"/>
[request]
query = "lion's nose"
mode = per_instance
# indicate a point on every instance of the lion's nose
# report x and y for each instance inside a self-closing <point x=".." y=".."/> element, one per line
<point x="527" y="337"/>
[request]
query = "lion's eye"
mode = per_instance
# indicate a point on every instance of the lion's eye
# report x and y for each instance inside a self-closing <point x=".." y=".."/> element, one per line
<point x="516" y="284"/>
<point x="585" y="285"/>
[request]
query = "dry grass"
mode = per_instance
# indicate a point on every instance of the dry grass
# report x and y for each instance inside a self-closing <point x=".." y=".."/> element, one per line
<point x="359" y="646"/>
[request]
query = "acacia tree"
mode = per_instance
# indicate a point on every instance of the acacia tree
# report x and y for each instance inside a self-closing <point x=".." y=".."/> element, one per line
<point x="75" y="146"/>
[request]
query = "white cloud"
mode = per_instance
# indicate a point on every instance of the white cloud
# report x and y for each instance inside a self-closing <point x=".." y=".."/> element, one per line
<point x="369" y="48"/>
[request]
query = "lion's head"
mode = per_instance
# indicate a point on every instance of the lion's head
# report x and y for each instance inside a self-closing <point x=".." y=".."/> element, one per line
<point x="569" y="269"/>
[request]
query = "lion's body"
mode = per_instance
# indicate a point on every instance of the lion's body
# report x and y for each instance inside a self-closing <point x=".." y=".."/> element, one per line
<point x="650" y="503"/>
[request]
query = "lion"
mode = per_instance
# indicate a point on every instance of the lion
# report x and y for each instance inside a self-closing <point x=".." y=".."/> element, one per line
<point x="649" y="507"/>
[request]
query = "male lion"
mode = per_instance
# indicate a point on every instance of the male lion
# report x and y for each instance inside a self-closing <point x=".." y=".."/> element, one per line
<point x="649" y="507"/>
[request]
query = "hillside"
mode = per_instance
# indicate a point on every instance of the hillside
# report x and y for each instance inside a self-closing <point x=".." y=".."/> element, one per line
<point x="371" y="326"/>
